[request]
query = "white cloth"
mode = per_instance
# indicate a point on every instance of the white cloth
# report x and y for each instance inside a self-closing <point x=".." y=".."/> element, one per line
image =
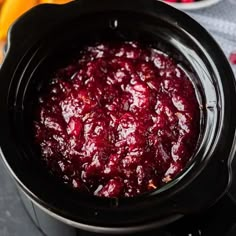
<point x="220" y="21"/>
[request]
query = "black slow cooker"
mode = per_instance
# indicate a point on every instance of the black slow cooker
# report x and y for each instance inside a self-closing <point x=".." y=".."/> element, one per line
<point x="45" y="37"/>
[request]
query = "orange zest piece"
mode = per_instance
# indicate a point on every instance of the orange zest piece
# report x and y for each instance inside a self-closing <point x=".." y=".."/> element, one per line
<point x="167" y="179"/>
<point x="11" y="10"/>
<point x="151" y="185"/>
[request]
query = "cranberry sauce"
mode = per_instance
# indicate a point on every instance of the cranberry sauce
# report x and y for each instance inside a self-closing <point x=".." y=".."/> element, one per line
<point x="120" y="120"/>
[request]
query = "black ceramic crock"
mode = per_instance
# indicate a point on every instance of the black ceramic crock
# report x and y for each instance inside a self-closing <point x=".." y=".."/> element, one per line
<point x="45" y="37"/>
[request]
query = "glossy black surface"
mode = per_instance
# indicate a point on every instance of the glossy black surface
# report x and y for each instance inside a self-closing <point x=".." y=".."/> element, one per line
<point x="219" y="220"/>
<point x="28" y="64"/>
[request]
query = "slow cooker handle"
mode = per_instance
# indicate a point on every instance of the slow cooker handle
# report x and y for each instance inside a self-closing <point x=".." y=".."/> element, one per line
<point x="39" y="20"/>
<point x="207" y="188"/>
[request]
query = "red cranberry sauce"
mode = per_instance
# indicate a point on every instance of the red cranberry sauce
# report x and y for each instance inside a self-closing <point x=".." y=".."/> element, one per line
<point x="121" y="120"/>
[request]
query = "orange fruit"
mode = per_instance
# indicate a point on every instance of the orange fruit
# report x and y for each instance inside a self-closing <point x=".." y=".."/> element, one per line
<point x="11" y="10"/>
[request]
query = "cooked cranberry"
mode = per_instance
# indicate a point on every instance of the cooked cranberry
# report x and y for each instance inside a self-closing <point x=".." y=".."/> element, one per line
<point x="123" y="119"/>
<point x="232" y="58"/>
<point x="113" y="188"/>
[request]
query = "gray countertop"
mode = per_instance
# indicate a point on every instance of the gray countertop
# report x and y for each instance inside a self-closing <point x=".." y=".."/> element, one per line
<point x="220" y="20"/>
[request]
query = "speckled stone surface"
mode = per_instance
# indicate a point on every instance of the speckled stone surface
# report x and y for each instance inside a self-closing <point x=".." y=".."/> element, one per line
<point x="220" y="20"/>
